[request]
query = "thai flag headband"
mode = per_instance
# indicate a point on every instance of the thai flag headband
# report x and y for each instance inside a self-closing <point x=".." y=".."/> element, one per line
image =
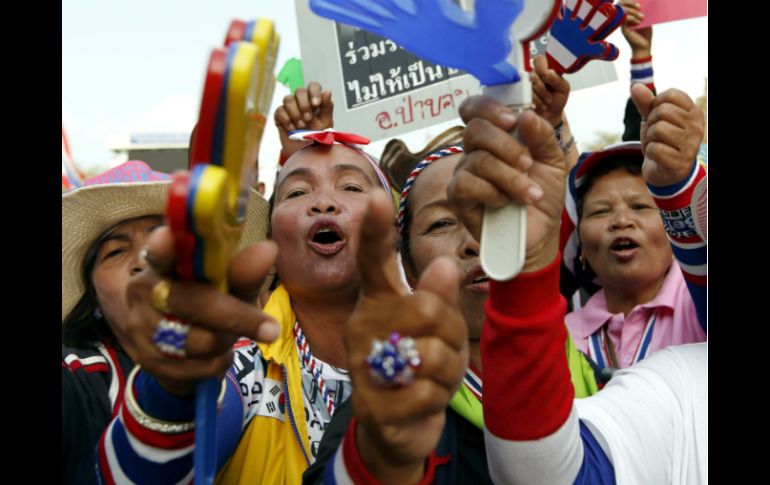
<point x="331" y="137"/>
<point x="413" y="176"/>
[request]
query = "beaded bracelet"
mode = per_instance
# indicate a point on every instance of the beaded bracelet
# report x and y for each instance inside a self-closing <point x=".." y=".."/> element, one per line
<point x="565" y="147"/>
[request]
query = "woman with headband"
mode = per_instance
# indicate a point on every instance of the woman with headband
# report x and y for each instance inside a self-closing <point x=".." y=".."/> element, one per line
<point x="429" y="230"/>
<point x="284" y="380"/>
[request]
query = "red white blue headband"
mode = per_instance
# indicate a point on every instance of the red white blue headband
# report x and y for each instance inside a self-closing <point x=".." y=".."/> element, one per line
<point x="413" y="176"/>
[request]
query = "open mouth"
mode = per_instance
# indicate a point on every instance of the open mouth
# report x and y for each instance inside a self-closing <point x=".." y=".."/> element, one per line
<point x="477" y="280"/>
<point x="624" y="248"/>
<point x="480" y="279"/>
<point x="326" y="238"/>
<point x="622" y="244"/>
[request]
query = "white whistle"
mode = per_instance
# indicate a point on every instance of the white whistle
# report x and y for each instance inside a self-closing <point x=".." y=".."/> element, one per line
<point x="504" y="230"/>
<point x="503" y="241"/>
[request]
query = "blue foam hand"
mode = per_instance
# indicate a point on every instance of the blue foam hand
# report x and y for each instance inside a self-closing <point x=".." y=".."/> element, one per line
<point x="439" y="31"/>
<point x="577" y="36"/>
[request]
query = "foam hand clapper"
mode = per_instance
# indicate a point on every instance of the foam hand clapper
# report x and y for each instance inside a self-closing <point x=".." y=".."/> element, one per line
<point x="577" y="36"/>
<point x="207" y="206"/>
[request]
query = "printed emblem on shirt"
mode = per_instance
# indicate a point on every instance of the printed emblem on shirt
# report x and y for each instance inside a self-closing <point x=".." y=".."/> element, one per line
<point x="249" y="371"/>
<point x="679" y="223"/>
<point x="270" y="406"/>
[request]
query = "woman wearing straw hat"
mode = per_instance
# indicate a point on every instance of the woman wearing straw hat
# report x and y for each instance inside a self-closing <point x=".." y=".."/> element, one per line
<point x="105" y="226"/>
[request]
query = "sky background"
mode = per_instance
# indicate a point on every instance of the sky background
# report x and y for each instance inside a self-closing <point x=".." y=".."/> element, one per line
<point x="138" y="66"/>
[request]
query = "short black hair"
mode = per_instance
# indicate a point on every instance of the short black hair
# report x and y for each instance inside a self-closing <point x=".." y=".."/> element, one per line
<point x="630" y="163"/>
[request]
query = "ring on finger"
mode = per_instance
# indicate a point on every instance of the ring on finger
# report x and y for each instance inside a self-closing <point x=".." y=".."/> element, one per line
<point x="160" y="294"/>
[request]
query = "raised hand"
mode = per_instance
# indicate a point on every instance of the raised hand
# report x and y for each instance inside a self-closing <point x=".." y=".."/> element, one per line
<point x="216" y="319"/>
<point x="399" y="426"/>
<point x="497" y="169"/>
<point x="640" y="40"/>
<point x="577" y="36"/>
<point x="671" y="132"/>
<point x="550" y="91"/>
<point x="306" y="109"/>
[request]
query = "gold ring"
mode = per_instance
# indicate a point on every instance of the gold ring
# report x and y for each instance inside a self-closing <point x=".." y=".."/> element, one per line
<point x="160" y="296"/>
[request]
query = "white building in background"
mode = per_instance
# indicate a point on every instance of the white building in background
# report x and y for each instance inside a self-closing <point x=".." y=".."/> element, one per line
<point x="164" y="152"/>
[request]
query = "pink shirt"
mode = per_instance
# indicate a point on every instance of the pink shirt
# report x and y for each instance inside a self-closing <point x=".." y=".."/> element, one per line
<point x="676" y="321"/>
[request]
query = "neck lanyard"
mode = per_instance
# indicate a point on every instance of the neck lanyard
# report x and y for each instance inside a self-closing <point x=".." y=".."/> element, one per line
<point x="310" y="363"/>
<point x="602" y="350"/>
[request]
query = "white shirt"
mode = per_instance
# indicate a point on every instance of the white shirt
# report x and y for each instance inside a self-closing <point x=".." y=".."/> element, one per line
<point x="652" y="419"/>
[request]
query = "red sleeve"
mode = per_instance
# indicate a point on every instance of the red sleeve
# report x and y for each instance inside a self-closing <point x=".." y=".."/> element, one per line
<point x="529" y="395"/>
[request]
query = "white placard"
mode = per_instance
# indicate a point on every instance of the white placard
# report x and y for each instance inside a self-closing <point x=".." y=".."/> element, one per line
<point x="380" y="90"/>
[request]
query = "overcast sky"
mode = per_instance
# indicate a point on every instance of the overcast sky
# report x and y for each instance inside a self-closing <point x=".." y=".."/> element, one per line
<point x="139" y="66"/>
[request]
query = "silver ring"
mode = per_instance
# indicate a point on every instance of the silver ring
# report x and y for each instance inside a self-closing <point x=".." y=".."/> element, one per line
<point x="171" y="337"/>
<point x="393" y="361"/>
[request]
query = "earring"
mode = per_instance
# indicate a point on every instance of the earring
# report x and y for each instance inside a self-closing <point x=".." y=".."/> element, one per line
<point x="97" y="314"/>
<point x="582" y="260"/>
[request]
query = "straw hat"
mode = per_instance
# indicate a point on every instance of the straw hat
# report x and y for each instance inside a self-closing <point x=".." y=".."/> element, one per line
<point x="127" y="191"/>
